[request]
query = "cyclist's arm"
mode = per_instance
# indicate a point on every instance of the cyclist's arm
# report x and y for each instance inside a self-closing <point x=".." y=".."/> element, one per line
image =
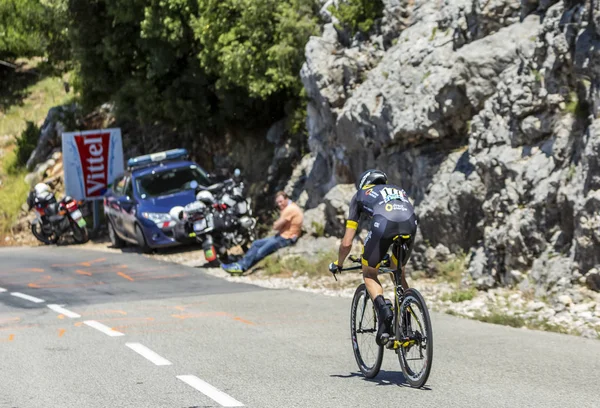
<point x="351" y="227"/>
<point x="346" y="245"/>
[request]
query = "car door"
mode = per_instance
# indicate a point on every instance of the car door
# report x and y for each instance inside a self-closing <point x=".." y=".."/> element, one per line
<point x="113" y="207"/>
<point x="128" y="208"/>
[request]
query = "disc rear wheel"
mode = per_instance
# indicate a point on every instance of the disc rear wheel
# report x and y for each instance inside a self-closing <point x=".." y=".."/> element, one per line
<point x="363" y="330"/>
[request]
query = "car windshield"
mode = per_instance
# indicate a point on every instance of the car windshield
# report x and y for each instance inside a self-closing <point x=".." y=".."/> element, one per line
<point x="170" y="181"/>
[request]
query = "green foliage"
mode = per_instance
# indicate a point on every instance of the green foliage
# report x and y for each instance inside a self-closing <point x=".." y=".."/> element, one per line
<point x="26" y="143"/>
<point x="256" y="45"/>
<point x="195" y="64"/>
<point x="33" y="28"/>
<point x="358" y="15"/>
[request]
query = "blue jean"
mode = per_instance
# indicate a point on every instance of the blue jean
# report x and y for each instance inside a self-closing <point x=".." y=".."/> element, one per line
<point x="261" y="248"/>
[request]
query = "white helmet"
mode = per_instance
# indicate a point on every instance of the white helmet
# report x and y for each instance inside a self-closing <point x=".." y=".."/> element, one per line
<point x="42" y="191"/>
<point x="41" y="188"/>
<point x="175" y="212"/>
<point x="206" y="197"/>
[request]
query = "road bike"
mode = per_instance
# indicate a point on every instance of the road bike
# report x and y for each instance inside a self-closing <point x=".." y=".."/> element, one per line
<point x="411" y="335"/>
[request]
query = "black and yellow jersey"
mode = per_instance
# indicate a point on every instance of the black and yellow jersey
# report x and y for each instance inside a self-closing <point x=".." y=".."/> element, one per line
<point x="391" y="216"/>
<point x="387" y="200"/>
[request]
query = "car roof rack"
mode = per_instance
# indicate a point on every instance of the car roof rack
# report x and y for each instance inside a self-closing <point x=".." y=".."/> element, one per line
<point x="156" y="158"/>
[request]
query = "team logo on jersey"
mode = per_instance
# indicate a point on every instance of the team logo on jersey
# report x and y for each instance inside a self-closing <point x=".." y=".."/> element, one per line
<point x="391" y="193"/>
<point x="395" y="207"/>
<point x="371" y="193"/>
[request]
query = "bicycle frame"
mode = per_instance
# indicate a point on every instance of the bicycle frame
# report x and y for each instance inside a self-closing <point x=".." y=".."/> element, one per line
<point x="399" y="249"/>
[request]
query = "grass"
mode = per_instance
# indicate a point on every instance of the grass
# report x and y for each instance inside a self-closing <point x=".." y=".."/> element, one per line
<point x="546" y="326"/>
<point x="13" y="191"/>
<point x="41" y="96"/>
<point x="319" y="228"/>
<point x="502" y="319"/>
<point x="574" y="106"/>
<point x="571" y="172"/>
<point x="433" y="33"/>
<point x="452" y="271"/>
<point x="460" y="295"/>
<point x="38" y="98"/>
<point x="275" y="265"/>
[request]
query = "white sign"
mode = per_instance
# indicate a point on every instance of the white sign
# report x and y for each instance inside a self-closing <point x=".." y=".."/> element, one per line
<point x="91" y="159"/>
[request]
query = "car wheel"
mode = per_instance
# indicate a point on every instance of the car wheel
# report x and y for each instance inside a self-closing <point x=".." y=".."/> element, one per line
<point x="115" y="241"/>
<point x="141" y="240"/>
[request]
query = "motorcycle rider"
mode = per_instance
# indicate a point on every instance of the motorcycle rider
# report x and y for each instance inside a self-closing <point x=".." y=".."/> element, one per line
<point x="41" y="192"/>
<point x="390" y="214"/>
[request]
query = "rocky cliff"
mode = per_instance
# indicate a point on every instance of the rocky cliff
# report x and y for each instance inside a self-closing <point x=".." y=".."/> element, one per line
<point x="486" y="113"/>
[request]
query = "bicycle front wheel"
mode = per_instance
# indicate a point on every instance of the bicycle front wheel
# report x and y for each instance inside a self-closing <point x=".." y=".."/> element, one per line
<point x="363" y="330"/>
<point x="416" y="349"/>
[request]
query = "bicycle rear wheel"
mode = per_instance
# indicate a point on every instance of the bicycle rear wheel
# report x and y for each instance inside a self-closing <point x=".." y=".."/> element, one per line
<point x="416" y="351"/>
<point x="363" y="330"/>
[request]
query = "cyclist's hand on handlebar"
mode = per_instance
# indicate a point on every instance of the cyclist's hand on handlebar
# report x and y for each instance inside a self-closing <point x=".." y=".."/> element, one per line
<point x="335" y="268"/>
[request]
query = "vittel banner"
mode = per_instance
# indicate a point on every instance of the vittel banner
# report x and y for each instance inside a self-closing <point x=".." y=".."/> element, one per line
<point x="92" y="159"/>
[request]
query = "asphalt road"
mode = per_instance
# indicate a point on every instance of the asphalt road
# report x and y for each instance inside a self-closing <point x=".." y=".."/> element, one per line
<point x="88" y="329"/>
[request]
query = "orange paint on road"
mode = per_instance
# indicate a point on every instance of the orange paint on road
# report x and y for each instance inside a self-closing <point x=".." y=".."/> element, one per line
<point x="74" y="285"/>
<point x="239" y="319"/>
<point x="105" y="312"/>
<point x="121" y="274"/>
<point x="86" y="263"/>
<point x="10" y="319"/>
<point x="80" y="272"/>
<point x="207" y="314"/>
<point x="29" y="270"/>
<point x="61" y="332"/>
<point x="163" y="277"/>
<point x="21" y="327"/>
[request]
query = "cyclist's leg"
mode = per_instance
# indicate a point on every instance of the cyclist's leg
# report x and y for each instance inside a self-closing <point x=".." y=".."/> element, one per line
<point x="371" y="258"/>
<point x="403" y="275"/>
<point x="375" y="248"/>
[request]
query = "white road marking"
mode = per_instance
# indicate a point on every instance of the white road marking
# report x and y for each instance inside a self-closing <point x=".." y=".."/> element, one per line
<point x="210" y="391"/>
<point x="149" y="354"/>
<point x="104" y="329"/>
<point x="62" y="310"/>
<point x="27" y="297"/>
<point x="2" y="290"/>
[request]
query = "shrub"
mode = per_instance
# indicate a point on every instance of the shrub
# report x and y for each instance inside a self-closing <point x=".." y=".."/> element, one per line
<point x="358" y="15"/>
<point x="26" y="143"/>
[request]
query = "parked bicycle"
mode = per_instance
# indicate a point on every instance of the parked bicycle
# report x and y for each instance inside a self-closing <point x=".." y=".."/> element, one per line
<point x="412" y="337"/>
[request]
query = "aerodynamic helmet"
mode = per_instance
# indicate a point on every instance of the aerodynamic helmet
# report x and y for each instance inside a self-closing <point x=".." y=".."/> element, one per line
<point x="372" y="176"/>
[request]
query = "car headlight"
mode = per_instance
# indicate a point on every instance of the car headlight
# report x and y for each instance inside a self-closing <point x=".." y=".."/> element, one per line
<point x="157" y="217"/>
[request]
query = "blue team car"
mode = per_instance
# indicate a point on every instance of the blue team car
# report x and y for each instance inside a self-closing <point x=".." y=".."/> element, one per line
<point x="138" y="203"/>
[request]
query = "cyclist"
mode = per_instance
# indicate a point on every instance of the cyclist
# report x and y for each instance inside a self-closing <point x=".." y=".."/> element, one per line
<point x="391" y="215"/>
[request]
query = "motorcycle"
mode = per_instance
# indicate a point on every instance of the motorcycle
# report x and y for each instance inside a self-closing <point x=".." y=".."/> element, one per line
<point x="54" y="219"/>
<point x="219" y="219"/>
